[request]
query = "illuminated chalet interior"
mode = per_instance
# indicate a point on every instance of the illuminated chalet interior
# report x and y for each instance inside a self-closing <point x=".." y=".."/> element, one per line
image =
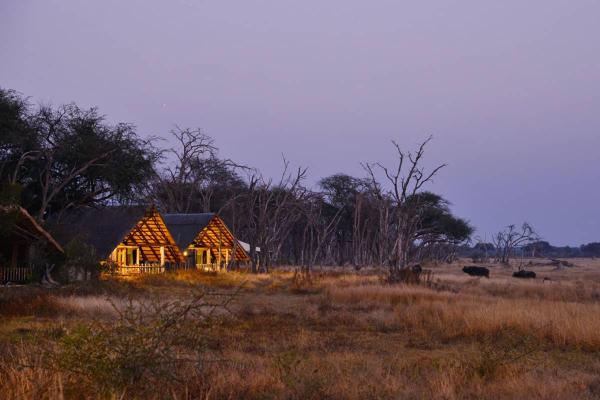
<point x="149" y="242"/>
<point x="206" y="240"/>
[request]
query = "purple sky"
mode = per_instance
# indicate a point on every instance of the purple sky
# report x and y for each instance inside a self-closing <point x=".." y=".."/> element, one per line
<point x="510" y="89"/>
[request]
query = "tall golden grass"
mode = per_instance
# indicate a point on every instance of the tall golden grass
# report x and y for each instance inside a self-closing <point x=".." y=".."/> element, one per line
<point x="336" y="336"/>
<point x="426" y="311"/>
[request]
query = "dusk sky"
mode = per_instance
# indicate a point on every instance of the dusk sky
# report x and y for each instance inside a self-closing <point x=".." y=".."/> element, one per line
<point x="509" y="89"/>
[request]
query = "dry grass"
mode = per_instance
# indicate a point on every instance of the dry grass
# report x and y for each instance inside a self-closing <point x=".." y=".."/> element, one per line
<point x="337" y="334"/>
<point x="426" y="312"/>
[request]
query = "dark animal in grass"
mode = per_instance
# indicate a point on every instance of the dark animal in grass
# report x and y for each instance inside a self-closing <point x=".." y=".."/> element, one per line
<point x="477" y="271"/>
<point x="416" y="268"/>
<point x="524" y="274"/>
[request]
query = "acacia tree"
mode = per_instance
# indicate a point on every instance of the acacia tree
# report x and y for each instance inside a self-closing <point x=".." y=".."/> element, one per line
<point x="438" y="231"/>
<point x="53" y="159"/>
<point x="66" y="157"/>
<point x="84" y="161"/>
<point x="18" y="140"/>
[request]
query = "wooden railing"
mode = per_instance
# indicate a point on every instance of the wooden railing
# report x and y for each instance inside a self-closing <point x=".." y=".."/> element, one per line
<point x="139" y="269"/>
<point x="157" y="269"/>
<point x="208" y="267"/>
<point x="17" y="275"/>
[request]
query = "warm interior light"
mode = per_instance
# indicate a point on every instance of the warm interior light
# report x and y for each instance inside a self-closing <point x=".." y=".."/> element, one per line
<point x="185" y="253"/>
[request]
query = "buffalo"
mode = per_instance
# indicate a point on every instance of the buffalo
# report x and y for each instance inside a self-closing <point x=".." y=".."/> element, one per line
<point x="416" y="269"/>
<point x="524" y="274"/>
<point x="477" y="271"/>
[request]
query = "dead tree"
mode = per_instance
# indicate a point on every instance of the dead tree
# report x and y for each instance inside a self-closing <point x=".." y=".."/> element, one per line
<point x="507" y="240"/>
<point x="318" y="229"/>
<point x="483" y="248"/>
<point x="271" y="211"/>
<point x="361" y="221"/>
<point x="190" y="184"/>
<point x="382" y="204"/>
<point x="177" y="186"/>
<point x="400" y="219"/>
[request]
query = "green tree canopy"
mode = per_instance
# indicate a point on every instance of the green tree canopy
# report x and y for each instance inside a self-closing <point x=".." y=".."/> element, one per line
<point x="65" y="156"/>
<point x="437" y="223"/>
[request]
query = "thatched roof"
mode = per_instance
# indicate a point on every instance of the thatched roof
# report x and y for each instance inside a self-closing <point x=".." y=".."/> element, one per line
<point x="203" y="230"/>
<point x="185" y="227"/>
<point x="27" y="227"/>
<point x="102" y="228"/>
<point x="106" y="228"/>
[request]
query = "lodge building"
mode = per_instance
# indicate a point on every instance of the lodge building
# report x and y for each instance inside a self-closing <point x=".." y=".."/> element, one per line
<point x="206" y="241"/>
<point x="135" y="239"/>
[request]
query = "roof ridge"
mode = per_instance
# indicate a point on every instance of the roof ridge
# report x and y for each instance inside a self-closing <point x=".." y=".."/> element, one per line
<point x="206" y="213"/>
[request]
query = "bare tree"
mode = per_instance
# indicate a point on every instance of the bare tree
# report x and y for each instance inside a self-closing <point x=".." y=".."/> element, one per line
<point x="399" y="206"/>
<point x="318" y="229"/>
<point x="197" y="174"/>
<point x="271" y="211"/>
<point x="214" y="174"/>
<point x="507" y="240"/>
<point x="177" y="186"/>
<point x="483" y="248"/>
<point x="382" y="203"/>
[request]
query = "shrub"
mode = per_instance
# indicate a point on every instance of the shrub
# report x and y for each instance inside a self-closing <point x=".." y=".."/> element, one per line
<point x="152" y="345"/>
<point x="411" y="276"/>
<point x="81" y="262"/>
<point x="305" y="282"/>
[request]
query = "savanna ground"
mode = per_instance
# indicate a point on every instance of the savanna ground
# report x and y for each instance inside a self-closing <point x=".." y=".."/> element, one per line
<point x="339" y="334"/>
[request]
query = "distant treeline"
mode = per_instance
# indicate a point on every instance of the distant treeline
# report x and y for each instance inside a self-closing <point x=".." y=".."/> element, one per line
<point x="536" y="249"/>
<point x="54" y="159"/>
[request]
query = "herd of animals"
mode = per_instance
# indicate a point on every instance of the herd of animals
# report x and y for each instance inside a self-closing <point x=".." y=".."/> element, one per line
<point x="483" y="271"/>
<point x="522" y="273"/>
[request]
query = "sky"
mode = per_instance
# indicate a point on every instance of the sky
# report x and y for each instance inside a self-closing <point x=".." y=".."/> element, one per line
<point x="509" y="89"/>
